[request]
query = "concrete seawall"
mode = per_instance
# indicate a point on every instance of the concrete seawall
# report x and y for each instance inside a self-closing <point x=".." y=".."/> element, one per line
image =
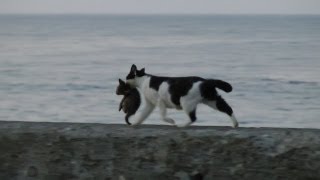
<point x="67" y="151"/>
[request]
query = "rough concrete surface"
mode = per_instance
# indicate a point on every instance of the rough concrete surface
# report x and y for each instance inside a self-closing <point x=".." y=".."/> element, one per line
<point x="75" y="151"/>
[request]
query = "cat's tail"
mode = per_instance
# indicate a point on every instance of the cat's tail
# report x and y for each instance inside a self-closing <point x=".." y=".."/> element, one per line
<point x="221" y="85"/>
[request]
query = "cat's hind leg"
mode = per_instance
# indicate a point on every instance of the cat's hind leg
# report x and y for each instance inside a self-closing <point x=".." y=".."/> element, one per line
<point x="193" y="118"/>
<point x="190" y="109"/>
<point x="221" y="105"/>
<point x="163" y="113"/>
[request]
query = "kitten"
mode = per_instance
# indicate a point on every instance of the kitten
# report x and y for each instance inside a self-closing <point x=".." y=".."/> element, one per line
<point x="182" y="93"/>
<point x="131" y="100"/>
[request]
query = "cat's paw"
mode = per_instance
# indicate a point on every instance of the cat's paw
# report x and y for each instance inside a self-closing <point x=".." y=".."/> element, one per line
<point x="234" y="121"/>
<point x="184" y="125"/>
<point x="170" y="121"/>
<point x="135" y="124"/>
<point x="235" y="125"/>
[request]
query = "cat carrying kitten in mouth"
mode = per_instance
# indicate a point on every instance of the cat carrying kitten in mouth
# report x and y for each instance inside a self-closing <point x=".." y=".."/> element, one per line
<point x="182" y="93"/>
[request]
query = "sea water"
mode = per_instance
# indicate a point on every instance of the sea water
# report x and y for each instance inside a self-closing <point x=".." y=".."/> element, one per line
<point x="65" y="68"/>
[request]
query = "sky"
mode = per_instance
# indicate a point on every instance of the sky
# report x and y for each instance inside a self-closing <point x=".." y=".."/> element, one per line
<point x="160" y="6"/>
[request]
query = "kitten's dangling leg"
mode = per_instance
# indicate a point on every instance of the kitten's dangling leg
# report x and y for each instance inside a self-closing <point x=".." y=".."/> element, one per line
<point x="163" y="113"/>
<point x="127" y="118"/>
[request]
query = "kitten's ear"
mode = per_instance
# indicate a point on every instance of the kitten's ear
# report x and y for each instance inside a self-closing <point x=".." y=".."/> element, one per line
<point x="133" y="68"/>
<point x="121" y="82"/>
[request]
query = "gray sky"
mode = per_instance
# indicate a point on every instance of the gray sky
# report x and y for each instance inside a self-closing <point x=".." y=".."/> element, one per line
<point x="162" y="6"/>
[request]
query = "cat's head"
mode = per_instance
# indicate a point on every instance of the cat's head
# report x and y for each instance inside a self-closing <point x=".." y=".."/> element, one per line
<point x="123" y="88"/>
<point x="134" y="75"/>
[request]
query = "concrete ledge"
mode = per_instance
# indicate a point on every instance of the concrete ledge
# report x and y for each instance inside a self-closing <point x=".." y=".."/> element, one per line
<point x="64" y="151"/>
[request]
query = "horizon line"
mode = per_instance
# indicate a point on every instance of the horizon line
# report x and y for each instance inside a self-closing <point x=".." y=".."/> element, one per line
<point x="177" y="14"/>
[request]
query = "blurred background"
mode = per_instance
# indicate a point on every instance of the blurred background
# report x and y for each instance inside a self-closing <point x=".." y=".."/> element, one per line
<point x="61" y="61"/>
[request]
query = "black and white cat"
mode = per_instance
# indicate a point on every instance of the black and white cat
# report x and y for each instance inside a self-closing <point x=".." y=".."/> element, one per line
<point x="183" y="93"/>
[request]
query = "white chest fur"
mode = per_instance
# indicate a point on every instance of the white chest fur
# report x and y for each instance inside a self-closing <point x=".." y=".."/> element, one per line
<point x="150" y="94"/>
<point x="154" y="96"/>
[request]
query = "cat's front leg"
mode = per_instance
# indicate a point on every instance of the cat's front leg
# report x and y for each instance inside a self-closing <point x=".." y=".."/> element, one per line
<point x="139" y="117"/>
<point x="163" y="113"/>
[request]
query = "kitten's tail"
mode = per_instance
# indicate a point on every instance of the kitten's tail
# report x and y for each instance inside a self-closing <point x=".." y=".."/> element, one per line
<point x="221" y="85"/>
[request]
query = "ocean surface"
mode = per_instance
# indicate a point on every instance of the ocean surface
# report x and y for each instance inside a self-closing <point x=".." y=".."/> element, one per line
<point x="65" y="68"/>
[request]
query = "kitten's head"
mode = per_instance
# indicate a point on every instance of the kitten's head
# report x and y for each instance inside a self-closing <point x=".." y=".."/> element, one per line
<point x="122" y="88"/>
<point x="134" y="74"/>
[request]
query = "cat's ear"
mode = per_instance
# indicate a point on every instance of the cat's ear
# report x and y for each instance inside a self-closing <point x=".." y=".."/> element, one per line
<point x="133" y="72"/>
<point x="142" y="71"/>
<point x="133" y="68"/>
<point x="121" y="82"/>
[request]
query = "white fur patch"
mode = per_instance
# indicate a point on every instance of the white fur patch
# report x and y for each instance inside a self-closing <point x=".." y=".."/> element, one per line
<point x="150" y="94"/>
<point x="165" y="96"/>
<point x="234" y="121"/>
<point x="190" y="101"/>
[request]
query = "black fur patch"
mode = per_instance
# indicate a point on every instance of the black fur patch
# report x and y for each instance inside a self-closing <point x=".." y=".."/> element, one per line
<point x="208" y="91"/>
<point x="156" y="81"/>
<point x="226" y="87"/>
<point x="223" y="106"/>
<point x="131" y="75"/>
<point x="141" y="72"/>
<point x="192" y="116"/>
<point x="178" y="86"/>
